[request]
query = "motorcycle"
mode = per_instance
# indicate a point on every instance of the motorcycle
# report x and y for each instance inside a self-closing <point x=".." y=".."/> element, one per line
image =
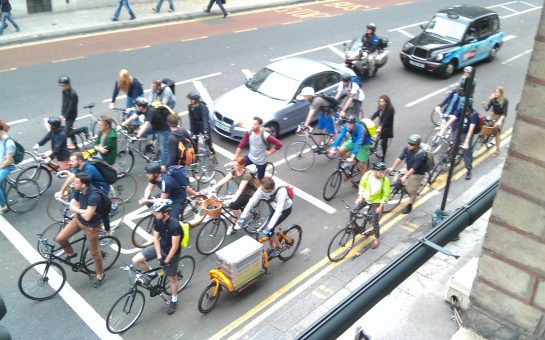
<point x="356" y="57"/>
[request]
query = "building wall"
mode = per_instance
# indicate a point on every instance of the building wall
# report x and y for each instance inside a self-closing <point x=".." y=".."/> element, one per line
<point x="508" y="295"/>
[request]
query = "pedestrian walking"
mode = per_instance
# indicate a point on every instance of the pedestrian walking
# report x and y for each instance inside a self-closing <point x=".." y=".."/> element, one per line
<point x="157" y="8"/>
<point x="220" y="4"/>
<point x="120" y="4"/>
<point x="6" y="15"/>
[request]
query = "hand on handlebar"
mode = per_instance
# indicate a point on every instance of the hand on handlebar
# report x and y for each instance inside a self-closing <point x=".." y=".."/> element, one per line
<point x="266" y="232"/>
<point x="36" y="147"/>
<point x="111" y="106"/>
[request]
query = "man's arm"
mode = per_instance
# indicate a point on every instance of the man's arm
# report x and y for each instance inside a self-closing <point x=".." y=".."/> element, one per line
<point x="7" y="161"/>
<point x="66" y="183"/>
<point x="243" y="142"/>
<point x="142" y="129"/>
<point x="174" y="248"/>
<point x="277" y="145"/>
<point x="87" y="214"/>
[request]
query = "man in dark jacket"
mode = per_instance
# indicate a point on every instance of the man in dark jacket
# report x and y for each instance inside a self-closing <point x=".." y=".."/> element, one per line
<point x="6" y="15"/>
<point x="69" y="109"/>
<point x="176" y="133"/>
<point x="57" y="136"/>
<point x="199" y="122"/>
<point x="370" y="42"/>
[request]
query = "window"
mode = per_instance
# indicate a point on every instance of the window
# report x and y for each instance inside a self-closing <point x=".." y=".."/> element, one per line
<point x="38" y="6"/>
<point x="494" y="24"/>
<point x="325" y="80"/>
<point x="484" y="27"/>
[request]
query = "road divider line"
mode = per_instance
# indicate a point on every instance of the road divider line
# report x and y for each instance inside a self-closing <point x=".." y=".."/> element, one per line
<point x="134" y="48"/>
<point x="336" y="51"/>
<point x="507" y="8"/>
<point x="67" y="59"/>
<point x="291" y="22"/>
<point x="78" y="304"/>
<point x="407" y="26"/>
<point x="517" y="56"/>
<point x="521" y="12"/>
<point x="192" y="39"/>
<point x="509" y="37"/>
<point x="405" y="33"/>
<point x="247" y="73"/>
<point x="8" y="69"/>
<point x="203" y="92"/>
<point x="14" y="122"/>
<point x="426" y="97"/>
<point x="246" y="30"/>
<point x="308" y="51"/>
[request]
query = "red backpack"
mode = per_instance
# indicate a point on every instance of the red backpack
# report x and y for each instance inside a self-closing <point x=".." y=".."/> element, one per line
<point x="289" y="189"/>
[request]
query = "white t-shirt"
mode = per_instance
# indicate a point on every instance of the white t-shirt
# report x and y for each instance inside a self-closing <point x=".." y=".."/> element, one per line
<point x="355" y="91"/>
<point x="6" y="146"/>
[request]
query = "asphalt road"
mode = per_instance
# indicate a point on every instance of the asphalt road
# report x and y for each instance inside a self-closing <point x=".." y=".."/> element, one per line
<point x="30" y="92"/>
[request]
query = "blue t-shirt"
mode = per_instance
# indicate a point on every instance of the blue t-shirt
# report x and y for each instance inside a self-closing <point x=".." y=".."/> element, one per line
<point x="89" y="198"/>
<point x="415" y="160"/>
<point x="96" y="177"/>
<point x="470" y="118"/>
<point x="175" y="190"/>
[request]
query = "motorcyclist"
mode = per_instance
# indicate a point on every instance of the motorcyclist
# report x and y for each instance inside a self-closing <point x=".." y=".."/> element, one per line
<point x="370" y="43"/>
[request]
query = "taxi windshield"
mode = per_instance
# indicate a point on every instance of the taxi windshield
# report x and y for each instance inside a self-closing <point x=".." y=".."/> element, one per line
<point x="446" y="28"/>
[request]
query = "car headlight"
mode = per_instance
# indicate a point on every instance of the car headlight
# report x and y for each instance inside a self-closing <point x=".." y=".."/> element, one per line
<point x="407" y="46"/>
<point x="439" y="56"/>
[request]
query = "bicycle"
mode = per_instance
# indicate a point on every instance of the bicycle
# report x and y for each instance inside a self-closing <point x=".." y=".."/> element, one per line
<point x="21" y="195"/>
<point x="42" y="172"/>
<point x="40" y="281"/>
<point x="437" y="143"/>
<point x="398" y="190"/>
<point x="486" y="137"/>
<point x="147" y="148"/>
<point x="300" y="155"/>
<point x="290" y="239"/>
<point x="444" y="160"/>
<point x="333" y="183"/>
<point x="127" y="309"/>
<point x="28" y="160"/>
<point x="343" y="241"/>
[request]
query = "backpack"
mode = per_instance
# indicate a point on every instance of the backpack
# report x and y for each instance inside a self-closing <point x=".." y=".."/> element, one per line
<point x="430" y="160"/>
<point x="179" y="174"/>
<point x="480" y="123"/>
<point x="4" y="125"/>
<point x="107" y="171"/>
<point x="357" y="80"/>
<point x="332" y="101"/>
<point x="184" y="240"/>
<point x="255" y="182"/>
<point x="264" y="136"/>
<point x="19" y="152"/>
<point x="370" y="126"/>
<point x="164" y="109"/>
<point x="186" y="150"/>
<point x="289" y="189"/>
<point x="106" y="203"/>
<point x="170" y="83"/>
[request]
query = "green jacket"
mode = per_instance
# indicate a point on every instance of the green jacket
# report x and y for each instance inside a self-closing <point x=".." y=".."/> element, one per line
<point x="110" y="143"/>
<point x="380" y="196"/>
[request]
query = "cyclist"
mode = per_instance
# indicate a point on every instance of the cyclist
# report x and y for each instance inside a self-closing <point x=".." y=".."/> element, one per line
<point x="351" y="94"/>
<point x="414" y="173"/>
<point x="7" y="151"/>
<point x="59" y="149"/>
<point x="166" y="248"/>
<point x="257" y="138"/>
<point x="86" y="205"/>
<point x="106" y="140"/>
<point x="281" y="208"/>
<point x="374" y="190"/>
<point x="370" y="43"/>
<point x="69" y="109"/>
<point x="174" y="188"/>
<point x="452" y="101"/>
<point x="358" y="143"/>
<point x="245" y="189"/>
<point x="156" y="123"/>
<point x="499" y="105"/>
<point x="176" y="134"/>
<point x="385" y="128"/>
<point x="128" y="84"/>
<point x="327" y="111"/>
<point x="199" y="122"/>
<point x="462" y="80"/>
<point x="162" y="94"/>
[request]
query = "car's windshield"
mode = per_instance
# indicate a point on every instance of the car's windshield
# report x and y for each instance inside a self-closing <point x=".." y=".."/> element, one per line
<point x="446" y="27"/>
<point x="272" y="84"/>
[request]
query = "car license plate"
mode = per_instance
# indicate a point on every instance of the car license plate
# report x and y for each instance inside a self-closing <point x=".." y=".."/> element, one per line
<point x="414" y="63"/>
<point x="223" y="127"/>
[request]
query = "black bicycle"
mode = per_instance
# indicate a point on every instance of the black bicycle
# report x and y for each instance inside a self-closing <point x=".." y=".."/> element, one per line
<point x="300" y="155"/>
<point x="44" y="279"/>
<point x="444" y="161"/>
<point x="343" y="241"/>
<point x="345" y="172"/>
<point x="398" y="190"/>
<point x="128" y="308"/>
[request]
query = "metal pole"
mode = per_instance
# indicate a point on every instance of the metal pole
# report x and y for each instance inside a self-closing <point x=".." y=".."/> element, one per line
<point x="468" y="93"/>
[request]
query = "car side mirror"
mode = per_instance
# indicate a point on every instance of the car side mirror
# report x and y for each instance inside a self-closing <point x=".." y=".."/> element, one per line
<point x="470" y="40"/>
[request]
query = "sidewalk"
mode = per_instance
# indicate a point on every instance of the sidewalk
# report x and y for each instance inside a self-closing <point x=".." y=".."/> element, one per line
<point x="60" y="24"/>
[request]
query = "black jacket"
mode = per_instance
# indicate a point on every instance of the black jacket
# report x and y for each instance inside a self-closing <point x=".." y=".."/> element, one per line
<point x="69" y="108"/>
<point x="172" y="145"/>
<point x="6" y="6"/>
<point x="199" y="122"/>
<point x="386" y="120"/>
<point x="58" y="143"/>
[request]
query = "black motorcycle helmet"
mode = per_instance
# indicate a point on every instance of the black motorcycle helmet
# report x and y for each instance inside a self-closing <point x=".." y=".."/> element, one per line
<point x="379" y="166"/>
<point x="64" y="80"/>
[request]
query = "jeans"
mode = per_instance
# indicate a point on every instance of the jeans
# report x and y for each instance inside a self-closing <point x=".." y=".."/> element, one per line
<point x="160" y="3"/>
<point x="162" y="139"/>
<point x="118" y="10"/>
<point x="3" y="174"/>
<point x="7" y="16"/>
<point x="468" y="153"/>
<point x="91" y="234"/>
<point x="260" y="167"/>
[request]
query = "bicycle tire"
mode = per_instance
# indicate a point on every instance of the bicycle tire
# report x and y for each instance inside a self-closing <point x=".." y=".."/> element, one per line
<point x="377" y="149"/>
<point x="207" y="300"/>
<point x="229" y="188"/>
<point x="269" y="169"/>
<point x="186" y="269"/>
<point x="50" y="233"/>
<point x="436" y="171"/>
<point x="125" y="187"/>
<point x="211" y="236"/>
<point x="192" y="212"/>
<point x="116" y="215"/>
<point x="39" y="278"/>
<point x="435" y="147"/>
<point x="40" y="174"/>
<point x="55" y="209"/>
<point x="479" y="142"/>
<point x="259" y="215"/>
<point x="23" y="196"/>
<point x="344" y="239"/>
<point x="208" y="178"/>
<point x="289" y="248"/>
<point x="28" y="160"/>
<point x="332" y="185"/>
<point x="126" y="304"/>
<point x="396" y="195"/>
<point x="124" y="162"/>
<point x="143" y="228"/>
<point x="299" y="156"/>
<point x="110" y="252"/>
<point x="436" y="117"/>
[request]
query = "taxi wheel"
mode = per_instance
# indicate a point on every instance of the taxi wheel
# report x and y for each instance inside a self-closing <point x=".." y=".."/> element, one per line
<point x="449" y="70"/>
<point x="492" y="54"/>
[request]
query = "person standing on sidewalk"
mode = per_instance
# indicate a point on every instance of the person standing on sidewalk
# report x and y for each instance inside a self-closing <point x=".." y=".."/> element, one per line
<point x="157" y="8"/>
<point x="220" y="4"/>
<point x="6" y="15"/>
<point x="120" y="4"/>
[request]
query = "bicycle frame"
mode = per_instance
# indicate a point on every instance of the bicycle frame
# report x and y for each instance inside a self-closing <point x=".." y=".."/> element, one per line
<point x="77" y="266"/>
<point x="127" y="145"/>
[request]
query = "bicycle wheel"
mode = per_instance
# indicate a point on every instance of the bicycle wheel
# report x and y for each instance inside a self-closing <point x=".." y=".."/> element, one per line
<point x="39" y="174"/>
<point x="125" y="311"/>
<point x="211" y="236"/>
<point x="341" y="244"/>
<point x="479" y="142"/>
<point x="229" y="188"/>
<point x="436" y="117"/>
<point x="207" y="178"/>
<point x="209" y="298"/>
<point x="436" y="144"/>
<point x="377" y="149"/>
<point x="22" y="196"/>
<point x="124" y="162"/>
<point x="141" y="234"/>
<point x="396" y="195"/>
<point x="110" y="252"/>
<point x="332" y="185"/>
<point x="28" y="161"/>
<point x="49" y="234"/>
<point x="117" y="214"/>
<point x="42" y="280"/>
<point x="186" y="268"/>
<point x="290" y="242"/>
<point x="269" y="169"/>
<point x="299" y="156"/>
<point x="437" y="170"/>
<point x="258" y="216"/>
<point x="192" y="212"/>
<point x="55" y="208"/>
<point x="125" y="187"/>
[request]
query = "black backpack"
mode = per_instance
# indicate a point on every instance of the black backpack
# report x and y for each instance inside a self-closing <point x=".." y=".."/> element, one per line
<point x="19" y="152"/>
<point x="105" y="203"/>
<point x="332" y="101"/>
<point x="107" y="171"/>
<point x="170" y="83"/>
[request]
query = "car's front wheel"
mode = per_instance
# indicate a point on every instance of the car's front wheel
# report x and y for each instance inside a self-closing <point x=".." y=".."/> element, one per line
<point x="450" y="69"/>
<point x="492" y="54"/>
<point x="272" y="128"/>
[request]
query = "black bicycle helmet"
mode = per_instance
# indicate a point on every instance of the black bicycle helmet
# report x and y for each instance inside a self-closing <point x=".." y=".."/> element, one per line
<point x="346" y="77"/>
<point x="415" y="139"/>
<point x="162" y="205"/>
<point x="351" y="119"/>
<point x="141" y="101"/>
<point x="54" y="121"/>
<point x="194" y="95"/>
<point x="372" y="26"/>
<point x="64" y="80"/>
<point x="153" y="168"/>
<point x="379" y="166"/>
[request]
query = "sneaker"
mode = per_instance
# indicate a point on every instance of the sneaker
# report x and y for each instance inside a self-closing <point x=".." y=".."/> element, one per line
<point x="171" y="10"/>
<point x="272" y="253"/>
<point x="155" y="10"/>
<point x="3" y="209"/>
<point x="237" y="227"/>
<point x="407" y="209"/>
<point x="97" y="283"/>
<point x="148" y="277"/>
<point x="468" y="175"/>
<point x="229" y="230"/>
<point x="68" y="257"/>
<point x="132" y="18"/>
<point x="375" y="244"/>
<point x="114" y="19"/>
<point x="171" y="309"/>
<point x="207" y="11"/>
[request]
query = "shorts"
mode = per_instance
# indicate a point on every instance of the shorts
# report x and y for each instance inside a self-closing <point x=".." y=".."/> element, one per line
<point x="413" y="184"/>
<point x="363" y="151"/>
<point x="150" y="254"/>
<point x="327" y="123"/>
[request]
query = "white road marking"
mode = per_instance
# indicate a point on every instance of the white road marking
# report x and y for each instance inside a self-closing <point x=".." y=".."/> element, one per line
<point x="87" y="314"/>
<point x="407" y="26"/>
<point x="203" y="92"/>
<point x="247" y="73"/>
<point x="527" y="4"/>
<point x="516" y="57"/>
<point x="308" y="51"/>
<point x="336" y="51"/>
<point x="413" y="103"/>
<point x="298" y="192"/>
<point x="17" y="121"/>
<point x="508" y="37"/>
<point x="521" y="12"/>
<point x="507" y="8"/>
<point x="405" y="33"/>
